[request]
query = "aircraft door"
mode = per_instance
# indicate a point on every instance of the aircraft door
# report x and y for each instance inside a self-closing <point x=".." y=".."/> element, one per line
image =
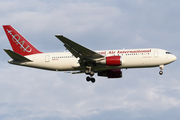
<point x="47" y="58"/>
<point x="156" y="54"/>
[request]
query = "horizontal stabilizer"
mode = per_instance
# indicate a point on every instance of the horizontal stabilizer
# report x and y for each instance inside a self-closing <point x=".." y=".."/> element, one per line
<point x="16" y="56"/>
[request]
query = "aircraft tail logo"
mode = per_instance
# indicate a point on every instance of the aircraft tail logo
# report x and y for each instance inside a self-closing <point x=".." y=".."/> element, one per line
<point x="19" y="44"/>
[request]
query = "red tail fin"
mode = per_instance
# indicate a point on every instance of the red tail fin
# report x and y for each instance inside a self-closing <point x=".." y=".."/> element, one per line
<point x="19" y="44"/>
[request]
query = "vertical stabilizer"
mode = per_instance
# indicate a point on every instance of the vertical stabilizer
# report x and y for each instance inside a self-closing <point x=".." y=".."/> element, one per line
<point x="19" y="44"/>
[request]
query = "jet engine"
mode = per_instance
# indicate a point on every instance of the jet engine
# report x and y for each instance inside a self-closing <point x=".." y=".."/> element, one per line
<point x="114" y="73"/>
<point x="111" y="61"/>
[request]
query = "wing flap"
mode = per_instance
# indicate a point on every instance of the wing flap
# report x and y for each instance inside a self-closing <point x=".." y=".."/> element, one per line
<point x="73" y="51"/>
<point x="16" y="56"/>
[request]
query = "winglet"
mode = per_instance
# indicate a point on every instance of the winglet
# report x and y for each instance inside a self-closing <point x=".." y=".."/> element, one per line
<point x="16" y="56"/>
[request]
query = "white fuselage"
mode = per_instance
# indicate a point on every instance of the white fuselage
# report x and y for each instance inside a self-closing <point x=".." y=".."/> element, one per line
<point x="130" y="58"/>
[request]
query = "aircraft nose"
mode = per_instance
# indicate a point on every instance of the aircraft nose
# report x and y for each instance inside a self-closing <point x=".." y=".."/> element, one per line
<point x="173" y="57"/>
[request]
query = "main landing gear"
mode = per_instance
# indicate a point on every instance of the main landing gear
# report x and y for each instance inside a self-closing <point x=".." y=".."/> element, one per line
<point x="161" y="68"/>
<point x="90" y="78"/>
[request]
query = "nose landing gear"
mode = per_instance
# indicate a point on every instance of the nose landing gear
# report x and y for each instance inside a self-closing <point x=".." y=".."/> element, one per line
<point x="161" y="68"/>
<point x="160" y="72"/>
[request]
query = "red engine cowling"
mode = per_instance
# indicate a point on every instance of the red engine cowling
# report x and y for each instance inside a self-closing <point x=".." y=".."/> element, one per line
<point x="113" y="60"/>
<point x="114" y="73"/>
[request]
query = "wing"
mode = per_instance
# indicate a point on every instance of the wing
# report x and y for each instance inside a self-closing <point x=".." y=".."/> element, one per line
<point x="78" y="50"/>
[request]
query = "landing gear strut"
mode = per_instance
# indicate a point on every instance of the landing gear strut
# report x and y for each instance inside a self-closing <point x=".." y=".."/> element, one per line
<point x="91" y="73"/>
<point x="161" y="68"/>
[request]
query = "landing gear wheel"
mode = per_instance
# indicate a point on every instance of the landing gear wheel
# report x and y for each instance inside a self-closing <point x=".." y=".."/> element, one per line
<point x="93" y="80"/>
<point x="91" y="73"/>
<point x="88" y="79"/>
<point x="160" y="72"/>
<point x="86" y="72"/>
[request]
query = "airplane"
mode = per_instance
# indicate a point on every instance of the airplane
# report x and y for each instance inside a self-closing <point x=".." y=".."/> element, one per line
<point x="79" y="59"/>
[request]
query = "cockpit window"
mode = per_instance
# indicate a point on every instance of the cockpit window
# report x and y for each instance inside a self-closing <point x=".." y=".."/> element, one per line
<point x="168" y="53"/>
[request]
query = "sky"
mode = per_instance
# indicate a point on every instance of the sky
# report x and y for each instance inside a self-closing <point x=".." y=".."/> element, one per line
<point x="141" y="94"/>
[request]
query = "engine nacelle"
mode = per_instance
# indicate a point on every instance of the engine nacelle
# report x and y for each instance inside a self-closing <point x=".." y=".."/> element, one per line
<point x="114" y="73"/>
<point x="111" y="61"/>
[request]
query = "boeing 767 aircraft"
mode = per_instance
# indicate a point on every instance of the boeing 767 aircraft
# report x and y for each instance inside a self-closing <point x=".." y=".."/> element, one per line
<point x="79" y="59"/>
